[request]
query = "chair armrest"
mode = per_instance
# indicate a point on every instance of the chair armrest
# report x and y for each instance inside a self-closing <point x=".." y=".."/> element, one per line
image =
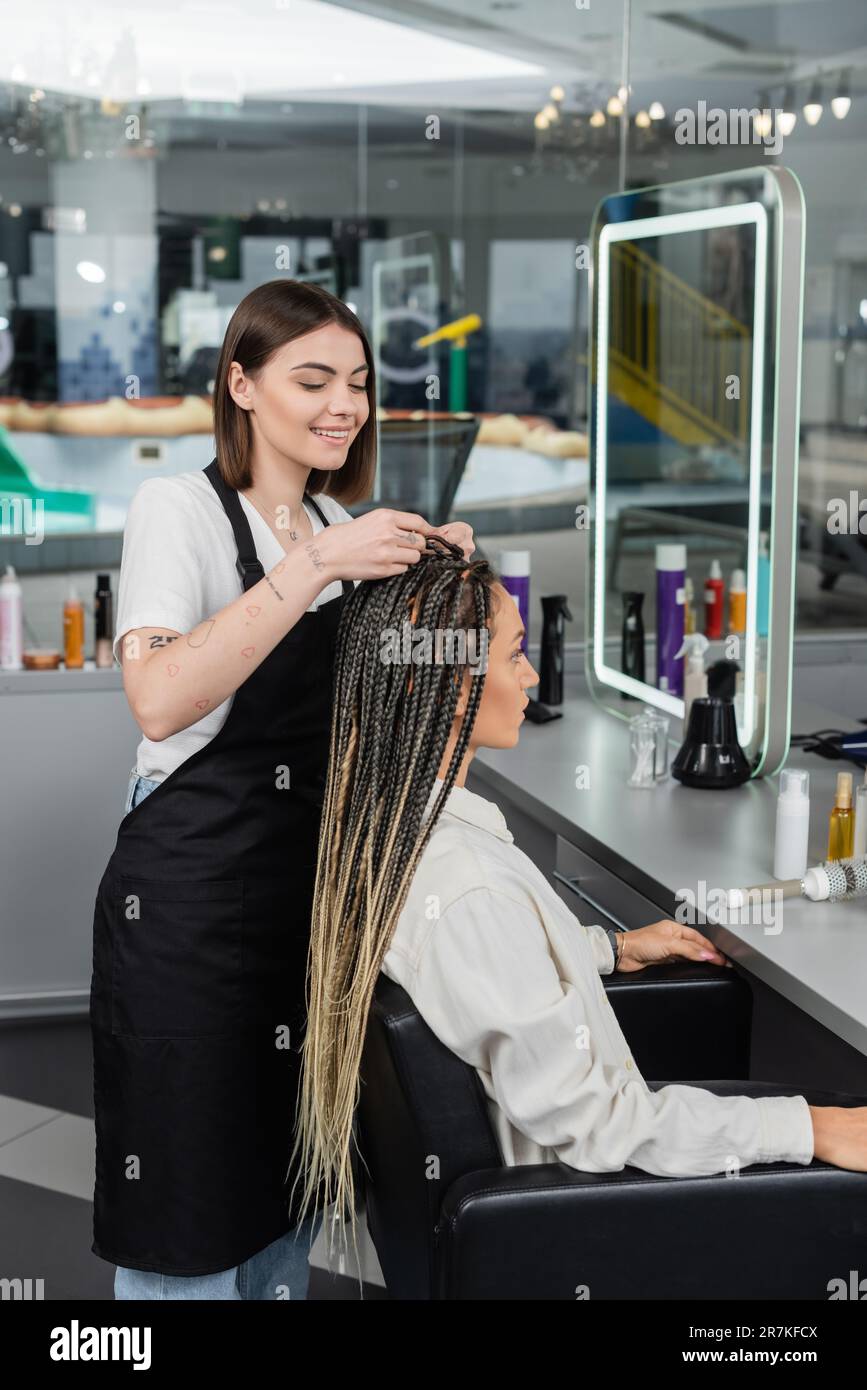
<point x="548" y="1231"/>
<point x="688" y="1021"/>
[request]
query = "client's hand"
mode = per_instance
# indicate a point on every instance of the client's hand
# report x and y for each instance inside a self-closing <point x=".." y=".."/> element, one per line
<point x="459" y="533"/>
<point x="664" y="942"/>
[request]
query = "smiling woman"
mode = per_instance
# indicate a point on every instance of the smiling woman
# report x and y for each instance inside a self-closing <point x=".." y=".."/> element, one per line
<point x="277" y="350"/>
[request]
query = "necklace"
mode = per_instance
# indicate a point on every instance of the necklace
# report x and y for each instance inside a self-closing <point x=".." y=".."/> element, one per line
<point x="293" y="533"/>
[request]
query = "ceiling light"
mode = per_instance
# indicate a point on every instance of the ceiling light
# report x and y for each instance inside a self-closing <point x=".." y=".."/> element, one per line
<point x="556" y="93"/>
<point x="763" y="123"/>
<point x="642" y="120"/>
<point x="813" y="106"/>
<point x="91" y="272"/>
<point x="550" y="111"/>
<point x="369" y="52"/>
<point x="786" y="122"/>
<point x="841" y="103"/>
<point x="597" y="119"/>
<point x="615" y="106"/>
<point x="657" y="111"/>
<point x="540" y="120"/>
<point x="118" y="306"/>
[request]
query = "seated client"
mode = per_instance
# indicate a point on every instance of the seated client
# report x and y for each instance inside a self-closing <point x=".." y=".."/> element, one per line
<point x="420" y="878"/>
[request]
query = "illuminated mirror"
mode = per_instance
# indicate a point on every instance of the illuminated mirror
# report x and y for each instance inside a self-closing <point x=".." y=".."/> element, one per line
<point x="697" y="301"/>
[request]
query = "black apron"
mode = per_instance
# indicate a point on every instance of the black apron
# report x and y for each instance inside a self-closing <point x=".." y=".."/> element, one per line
<point x="200" y="939"/>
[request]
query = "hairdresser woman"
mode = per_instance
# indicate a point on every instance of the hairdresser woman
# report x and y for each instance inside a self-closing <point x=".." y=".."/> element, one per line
<point x="232" y="583"/>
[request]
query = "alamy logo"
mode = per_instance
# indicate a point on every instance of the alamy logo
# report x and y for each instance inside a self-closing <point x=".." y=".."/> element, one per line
<point x="17" y="518"/>
<point x="421" y="646"/>
<point x="738" y="126"/>
<point x="76" y="1343"/>
<point x="22" y="1290"/>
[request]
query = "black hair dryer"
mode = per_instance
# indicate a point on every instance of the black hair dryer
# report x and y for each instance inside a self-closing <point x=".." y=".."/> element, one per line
<point x="555" y="610"/>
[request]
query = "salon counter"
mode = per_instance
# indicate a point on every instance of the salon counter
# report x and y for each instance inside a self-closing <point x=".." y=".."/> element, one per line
<point x="621" y="855"/>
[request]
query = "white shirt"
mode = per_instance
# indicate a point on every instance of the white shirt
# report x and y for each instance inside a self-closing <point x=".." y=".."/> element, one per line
<point x="508" y="978"/>
<point x="178" y="568"/>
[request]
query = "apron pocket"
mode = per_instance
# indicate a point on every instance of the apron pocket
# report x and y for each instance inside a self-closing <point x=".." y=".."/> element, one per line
<point x="176" y="967"/>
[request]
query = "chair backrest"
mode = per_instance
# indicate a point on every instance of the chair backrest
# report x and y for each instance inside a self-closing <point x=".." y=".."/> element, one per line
<point x="422" y="1122"/>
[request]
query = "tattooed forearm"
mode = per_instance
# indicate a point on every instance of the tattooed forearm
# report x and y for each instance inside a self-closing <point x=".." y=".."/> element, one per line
<point x="199" y="635"/>
<point x="160" y="640"/>
<point x="272" y="588"/>
<point x="315" y="556"/>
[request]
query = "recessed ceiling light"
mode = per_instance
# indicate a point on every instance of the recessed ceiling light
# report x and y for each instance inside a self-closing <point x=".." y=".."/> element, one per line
<point x="91" y="272"/>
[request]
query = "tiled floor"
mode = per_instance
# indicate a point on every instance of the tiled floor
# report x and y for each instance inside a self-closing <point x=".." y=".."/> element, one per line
<point x="47" y="1164"/>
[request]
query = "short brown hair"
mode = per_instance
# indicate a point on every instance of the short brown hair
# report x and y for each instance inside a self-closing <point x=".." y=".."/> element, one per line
<point x="269" y="316"/>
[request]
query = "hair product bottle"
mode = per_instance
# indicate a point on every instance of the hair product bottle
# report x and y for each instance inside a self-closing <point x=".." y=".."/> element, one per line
<point x="860" y="840"/>
<point x="670" y="596"/>
<point x="738" y="602"/>
<point x="515" y="578"/>
<point x="73" y="631"/>
<point x="842" y="823"/>
<point x="793" y="824"/>
<point x="103" y="621"/>
<point x="688" y="607"/>
<point x="555" y="611"/>
<point x="713" y="602"/>
<point x="11" y="622"/>
<point x="632" y="639"/>
<point x="695" y="677"/>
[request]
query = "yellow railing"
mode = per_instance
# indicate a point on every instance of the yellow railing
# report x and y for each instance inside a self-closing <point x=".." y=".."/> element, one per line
<point x="674" y="354"/>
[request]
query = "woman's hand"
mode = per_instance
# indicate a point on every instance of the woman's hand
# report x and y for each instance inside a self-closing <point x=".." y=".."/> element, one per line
<point x="664" y="942"/>
<point x="840" y="1135"/>
<point x="459" y="533"/>
<point x="377" y="545"/>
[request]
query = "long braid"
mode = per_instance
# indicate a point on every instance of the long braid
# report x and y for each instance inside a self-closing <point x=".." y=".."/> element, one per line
<point x="390" y="727"/>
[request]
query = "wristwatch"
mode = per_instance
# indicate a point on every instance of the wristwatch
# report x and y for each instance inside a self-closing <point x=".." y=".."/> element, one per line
<point x="612" y="937"/>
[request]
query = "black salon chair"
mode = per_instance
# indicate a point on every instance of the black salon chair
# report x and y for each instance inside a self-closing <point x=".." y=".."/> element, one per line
<point x="450" y="1221"/>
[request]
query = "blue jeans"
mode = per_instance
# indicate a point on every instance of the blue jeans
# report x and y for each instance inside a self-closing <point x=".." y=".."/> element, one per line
<point x="281" y="1270"/>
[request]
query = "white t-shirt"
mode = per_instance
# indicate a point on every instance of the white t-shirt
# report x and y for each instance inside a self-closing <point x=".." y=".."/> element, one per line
<point x="178" y="568"/>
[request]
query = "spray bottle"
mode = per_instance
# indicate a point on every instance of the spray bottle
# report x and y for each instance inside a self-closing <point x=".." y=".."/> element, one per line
<point x="555" y="611"/>
<point x="695" y="677"/>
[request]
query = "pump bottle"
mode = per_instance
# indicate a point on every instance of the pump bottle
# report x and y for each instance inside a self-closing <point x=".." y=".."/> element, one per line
<point x="793" y="824"/>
